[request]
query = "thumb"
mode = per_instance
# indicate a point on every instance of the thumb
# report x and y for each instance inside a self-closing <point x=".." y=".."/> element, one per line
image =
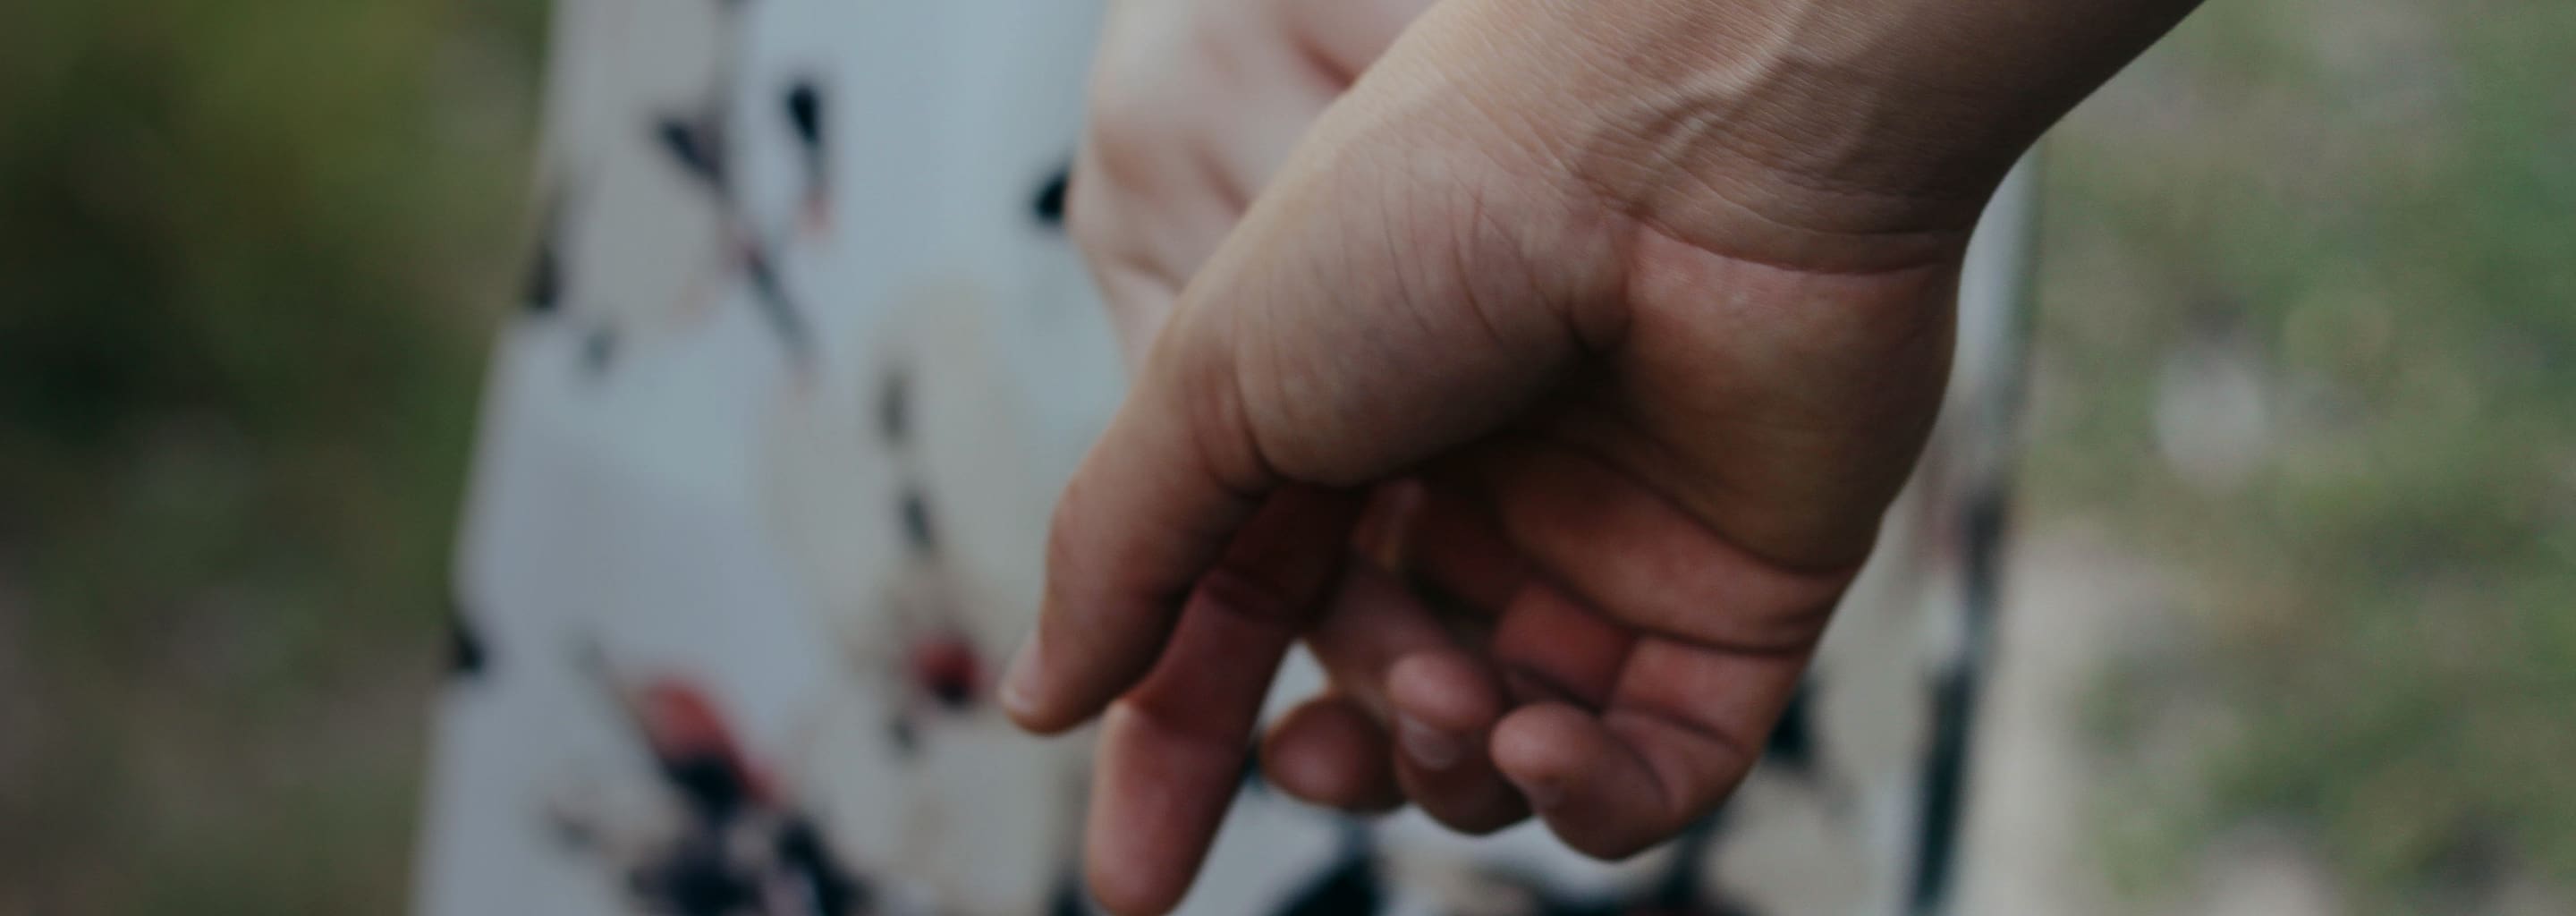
<point x="1372" y="310"/>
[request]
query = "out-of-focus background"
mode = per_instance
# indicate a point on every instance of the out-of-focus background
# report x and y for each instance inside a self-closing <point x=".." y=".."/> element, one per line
<point x="2294" y="609"/>
<point x="249" y="255"/>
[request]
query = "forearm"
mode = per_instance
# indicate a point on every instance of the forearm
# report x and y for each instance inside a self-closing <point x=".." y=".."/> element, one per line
<point x="1828" y="118"/>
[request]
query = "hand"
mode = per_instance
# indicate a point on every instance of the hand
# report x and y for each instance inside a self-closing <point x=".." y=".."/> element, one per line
<point x="1605" y="329"/>
<point x="1195" y="105"/>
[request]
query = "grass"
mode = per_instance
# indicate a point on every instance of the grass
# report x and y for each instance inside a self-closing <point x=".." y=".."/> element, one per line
<point x="2372" y="205"/>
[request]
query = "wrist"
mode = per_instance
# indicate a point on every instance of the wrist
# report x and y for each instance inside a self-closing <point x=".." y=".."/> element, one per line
<point x="1832" y="134"/>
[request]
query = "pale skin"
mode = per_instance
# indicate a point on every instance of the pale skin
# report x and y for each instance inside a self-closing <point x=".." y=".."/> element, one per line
<point x="1545" y="366"/>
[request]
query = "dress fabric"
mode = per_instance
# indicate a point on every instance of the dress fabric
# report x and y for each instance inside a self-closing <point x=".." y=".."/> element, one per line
<point x="760" y="494"/>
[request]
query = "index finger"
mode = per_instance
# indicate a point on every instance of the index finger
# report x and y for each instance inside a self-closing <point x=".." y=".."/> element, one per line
<point x="1146" y="516"/>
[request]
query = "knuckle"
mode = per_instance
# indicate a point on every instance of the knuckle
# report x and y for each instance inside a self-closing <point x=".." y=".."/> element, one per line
<point x="1100" y="216"/>
<point x="1129" y="125"/>
<point x="1087" y="220"/>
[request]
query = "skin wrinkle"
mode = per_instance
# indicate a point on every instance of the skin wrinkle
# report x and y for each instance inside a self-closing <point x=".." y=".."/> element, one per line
<point x="1427" y="298"/>
<point x="1309" y="50"/>
<point x="1737" y="105"/>
<point x="1229" y="57"/>
<point x="1827" y="580"/>
<point x="1833" y="141"/>
<point x="1131" y="152"/>
<point x="1461" y="265"/>
<point x="1581" y="325"/>
<point x="1683" y="796"/>
<point x="1287" y="408"/>
<point x="1836" y="422"/>
<point x="1510" y="140"/>
<point x="1199" y="239"/>
<point x="1280" y="381"/>
<point x="1389" y="240"/>
<point x="1577" y="649"/>
<point x="1909" y="247"/>
<point x="1635" y="456"/>
<point x="1138" y="249"/>
<point x="1904" y="248"/>
<point x="1210" y="166"/>
<point x="1565" y="308"/>
<point x="1233" y="419"/>
<point x="1666" y="105"/>
<point x="1347" y="35"/>
<point x="1570" y="338"/>
<point x="1828" y="422"/>
<point x="1638" y="702"/>
<point x="1530" y="686"/>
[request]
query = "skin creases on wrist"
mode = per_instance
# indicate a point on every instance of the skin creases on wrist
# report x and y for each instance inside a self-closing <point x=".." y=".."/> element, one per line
<point x="1831" y="134"/>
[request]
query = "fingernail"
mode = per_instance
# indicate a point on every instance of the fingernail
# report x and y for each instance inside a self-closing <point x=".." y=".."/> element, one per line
<point x="1429" y="746"/>
<point x="1021" y="683"/>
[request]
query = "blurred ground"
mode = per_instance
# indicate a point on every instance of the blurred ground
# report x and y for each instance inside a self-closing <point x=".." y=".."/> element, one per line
<point x="2291" y="629"/>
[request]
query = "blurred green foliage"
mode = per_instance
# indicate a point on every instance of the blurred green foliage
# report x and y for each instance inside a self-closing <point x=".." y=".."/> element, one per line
<point x="248" y="253"/>
<point x="2373" y="204"/>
